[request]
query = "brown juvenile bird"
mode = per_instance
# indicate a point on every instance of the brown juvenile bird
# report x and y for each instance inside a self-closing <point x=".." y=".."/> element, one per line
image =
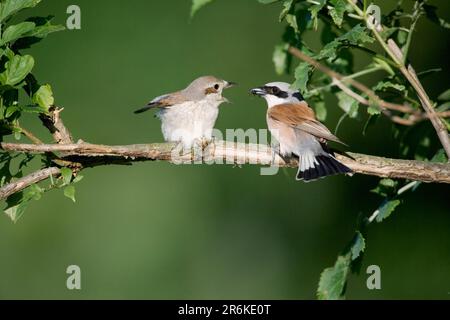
<point x="188" y="116"/>
<point x="293" y="123"/>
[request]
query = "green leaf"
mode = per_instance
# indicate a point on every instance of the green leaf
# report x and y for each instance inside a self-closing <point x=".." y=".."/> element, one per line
<point x="43" y="97"/>
<point x="314" y="9"/>
<point x="16" y="31"/>
<point x="66" y="175"/>
<point x="380" y="62"/>
<point x="44" y="30"/>
<point x="440" y="156"/>
<point x="69" y="192"/>
<point x="383" y="85"/>
<point x="359" y="244"/>
<point x="321" y="110"/>
<point x="10" y="7"/>
<point x="11" y="110"/>
<point x="280" y="58"/>
<point x="268" y="1"/>
<point x="337" y="11"/>
<point x="373" y="110"/>
<point x="287" y="6"/>
<point x="301" y="76"/>
<point x="386" y="209"/>
<point x="197" y="5"/>
<point x="357" y="35"/>
<point x="18" y="202"/>
<point x="445" y="95"/>
<point x="332" y="280"/>
<point x="17" y="69"/>
<point x="348" y="104"/>
<point x="385" y="187"/>
<point x="291" y="19"/>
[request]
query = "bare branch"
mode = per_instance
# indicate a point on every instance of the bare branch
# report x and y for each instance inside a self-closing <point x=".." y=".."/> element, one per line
<point x="27" y="181"/>
<point x="91" y="155"/>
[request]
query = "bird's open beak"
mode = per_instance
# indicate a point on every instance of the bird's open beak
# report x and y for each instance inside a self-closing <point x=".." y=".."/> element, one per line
<point x="258" y="91"/>
<point x="230" y="84"/>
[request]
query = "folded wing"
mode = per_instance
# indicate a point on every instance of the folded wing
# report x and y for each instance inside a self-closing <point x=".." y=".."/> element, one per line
<point x="301" y="117"/>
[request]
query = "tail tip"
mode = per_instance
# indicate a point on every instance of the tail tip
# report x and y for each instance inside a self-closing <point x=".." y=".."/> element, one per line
<point x="324" y="165"/>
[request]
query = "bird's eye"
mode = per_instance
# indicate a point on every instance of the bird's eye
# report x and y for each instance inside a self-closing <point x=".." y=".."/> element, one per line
<point x="216" y="86"/>
<point x="275" y="90"/>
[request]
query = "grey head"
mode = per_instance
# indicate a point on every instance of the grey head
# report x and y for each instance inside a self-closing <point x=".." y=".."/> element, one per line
<point x="204" y="88"/>
<point x="278" y="93"/>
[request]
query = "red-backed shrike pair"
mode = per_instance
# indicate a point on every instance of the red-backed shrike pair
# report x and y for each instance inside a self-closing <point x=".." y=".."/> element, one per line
<point x="189" y="115"/>
<point x="293" y="123"/>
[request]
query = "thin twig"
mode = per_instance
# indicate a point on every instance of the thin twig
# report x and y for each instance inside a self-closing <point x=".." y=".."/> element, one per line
<point x="30" y="136"/>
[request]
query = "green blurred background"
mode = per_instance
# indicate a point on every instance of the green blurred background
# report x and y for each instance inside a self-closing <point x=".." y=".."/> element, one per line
<point x="160" y="231"/>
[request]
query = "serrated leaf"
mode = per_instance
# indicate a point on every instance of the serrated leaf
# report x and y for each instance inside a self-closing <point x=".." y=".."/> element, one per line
<point x="337" y="11"/>
<point x="15" y="32"/>
<point x="383" y="85"/>
<point x="197" y="5"/>
<point x="373" y="110"/>
<point x="69" y="192"/>
<point x="332" y="280"/>
<point x="9" y="7"/>
<point x="359" y="245"/>
<point x="386" y="209"/>
<point x="43" y="97"/>
<point x="17" y="69"/>
<point x="301" y="76"/>
<point x="348" y="104"/>
<point x="357" y="35"/>
<point x="66" y="175"/>
<point x="280" y="58"/>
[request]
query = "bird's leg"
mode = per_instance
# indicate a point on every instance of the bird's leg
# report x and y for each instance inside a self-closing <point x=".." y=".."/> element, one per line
<point x="197" y="150"/>
<point x="205" y="142"/>
<point x="275" y="150"/>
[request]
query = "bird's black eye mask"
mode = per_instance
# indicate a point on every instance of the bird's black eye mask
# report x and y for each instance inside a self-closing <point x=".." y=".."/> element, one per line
<point x="281" y="94"/>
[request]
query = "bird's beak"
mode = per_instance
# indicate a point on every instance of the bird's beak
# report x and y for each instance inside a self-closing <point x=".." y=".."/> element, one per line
<point x="230" y="84"/>
<point x="260" y="91"/>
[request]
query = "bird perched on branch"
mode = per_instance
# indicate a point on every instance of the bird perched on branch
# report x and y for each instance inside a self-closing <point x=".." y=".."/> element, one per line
<point x="188" y="116"/>
<point x="293" y="123"/>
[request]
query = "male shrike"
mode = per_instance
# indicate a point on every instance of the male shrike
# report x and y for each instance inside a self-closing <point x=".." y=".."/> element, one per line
<point x="293" y="123"/>
<point x="188" y="116"/>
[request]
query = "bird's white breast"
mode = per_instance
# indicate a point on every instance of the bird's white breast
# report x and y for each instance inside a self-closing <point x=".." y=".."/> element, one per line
<point x="189" y="121"/>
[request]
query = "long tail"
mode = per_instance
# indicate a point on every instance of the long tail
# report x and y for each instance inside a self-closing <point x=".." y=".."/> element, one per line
<point x="313" y="167"/>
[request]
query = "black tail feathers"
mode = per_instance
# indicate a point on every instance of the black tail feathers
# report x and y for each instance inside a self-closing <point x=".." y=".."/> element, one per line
<point x="320" y="166"/>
